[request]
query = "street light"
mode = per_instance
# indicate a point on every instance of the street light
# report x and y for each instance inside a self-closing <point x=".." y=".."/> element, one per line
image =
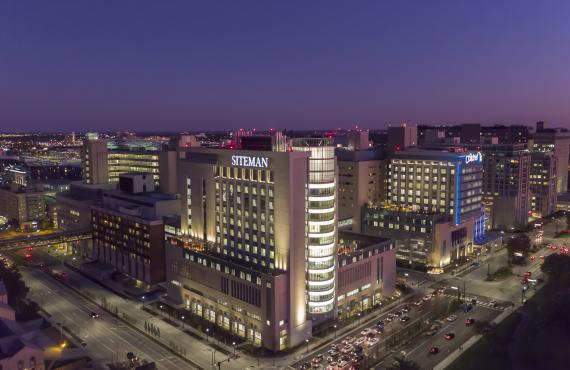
<point x="182" y="317"/>
<point x="234" y="345"/>
<point x="335" y="326"/>
<point x="307" y="341"/>
<point x="207" y="334"/>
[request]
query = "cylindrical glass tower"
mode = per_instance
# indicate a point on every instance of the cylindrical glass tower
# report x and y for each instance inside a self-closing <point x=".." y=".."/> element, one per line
<point x="321" y="229"/>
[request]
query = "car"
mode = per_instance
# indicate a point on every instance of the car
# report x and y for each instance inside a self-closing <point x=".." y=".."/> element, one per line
<point x="418" y="303"/>
<point x="532" y="258"/>
<point x="357" y="359"/>
<point x="427" y="297"/>
<point x="451" y="318"/>
<point x="365" y="331"/>
<point x="380" y="329"/>
<point x="470" y="321"/>
<point x="541" y="257"/>
<point x="371" y="335"/>
<point x="373" y="341"/>
<point x="380" y="323"/>
<point x="357" y="350"/>
<point x="305" y="366"/>
<point x="405" y="318"/>
<point x="398" y="313"/>
<point x="441" y="290"/>
<point x="359" y="341"/>
<point x="528" y="274"/>
<point x="335" y="347"/>
<point x="94" y="315"/>
<point x="342" y="364"/>
<point x="524" y="281"/>
<point x="449" y="336"/>
<point x="407" y="308"/>
<point x="348" y="340"/>
<point x="433" y="350"/>
<point x="318" y="359"/>
<point x="431" y="332"/>
<point x="347" y="348"/>
<point x="494" y="304"/>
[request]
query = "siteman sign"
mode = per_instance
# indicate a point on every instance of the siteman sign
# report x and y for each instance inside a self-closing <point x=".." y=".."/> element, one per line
<point x="247" y="161"/>
<point x="474" y="157"/>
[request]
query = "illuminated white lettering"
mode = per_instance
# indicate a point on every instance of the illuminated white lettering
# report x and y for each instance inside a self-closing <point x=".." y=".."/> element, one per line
<point x="246" y="161"/>
<point x="474" y="157"/>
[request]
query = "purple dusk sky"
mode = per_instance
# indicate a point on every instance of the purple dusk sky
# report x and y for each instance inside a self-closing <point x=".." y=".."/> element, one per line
<point x="184" y="65"/>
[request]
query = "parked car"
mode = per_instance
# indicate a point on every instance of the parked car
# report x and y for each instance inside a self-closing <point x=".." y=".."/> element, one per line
<point x="451" y="318"/>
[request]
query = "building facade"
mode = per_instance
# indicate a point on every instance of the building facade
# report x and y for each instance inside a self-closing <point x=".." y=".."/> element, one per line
<point x="128" y="228"/>
<point x="543" y="182"/>
<point x="556" y="141"/>
<point x="434" y="205"/>
<point x="24" y="206"/>
<point x="506" y="185"/>
<point x="366" y="273"/>
<point x="362" y="179"/>
<point x="243" y="215"/>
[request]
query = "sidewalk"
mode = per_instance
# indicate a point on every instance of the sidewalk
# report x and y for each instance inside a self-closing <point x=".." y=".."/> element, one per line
<point x="196" y="352"/>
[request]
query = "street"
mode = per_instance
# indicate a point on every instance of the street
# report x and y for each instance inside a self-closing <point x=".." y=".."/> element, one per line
<point x="107" y="338"/>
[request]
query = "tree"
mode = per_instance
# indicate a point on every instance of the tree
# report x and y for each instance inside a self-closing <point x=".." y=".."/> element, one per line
<point x="557" y="268"/>
<point x="15" y="286"/>
<point x="518" y="246"/>
<point x="403" y="364"/>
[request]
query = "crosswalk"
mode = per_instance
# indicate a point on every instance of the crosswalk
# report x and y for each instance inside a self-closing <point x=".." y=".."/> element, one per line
<point x="492" y="306"/>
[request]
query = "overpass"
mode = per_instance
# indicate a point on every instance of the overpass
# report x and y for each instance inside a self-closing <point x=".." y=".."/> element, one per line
<point x="42" y="240"/>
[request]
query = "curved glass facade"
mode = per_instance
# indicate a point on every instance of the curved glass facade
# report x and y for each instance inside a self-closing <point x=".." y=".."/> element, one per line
<point x="321" y="224"/>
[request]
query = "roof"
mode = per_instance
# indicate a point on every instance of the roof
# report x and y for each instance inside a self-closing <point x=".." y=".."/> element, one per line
<point x="429" y="154"/>
<point x="362" y="241"/>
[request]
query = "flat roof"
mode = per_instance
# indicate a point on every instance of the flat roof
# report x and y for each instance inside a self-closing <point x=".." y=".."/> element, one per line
<point x="428" y="154"/>
<point x="362" y="241"/>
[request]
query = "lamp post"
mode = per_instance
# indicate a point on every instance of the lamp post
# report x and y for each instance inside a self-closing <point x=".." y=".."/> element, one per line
<point x="334" y="326"/>
<point x="307" y="341"/>
<point x="234" y="345"/>
<point x="182" y="319"/>
<point x="207" y="334"/>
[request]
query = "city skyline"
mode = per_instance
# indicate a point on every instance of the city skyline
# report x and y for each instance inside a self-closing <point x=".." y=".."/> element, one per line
<point x="100" y="67"/>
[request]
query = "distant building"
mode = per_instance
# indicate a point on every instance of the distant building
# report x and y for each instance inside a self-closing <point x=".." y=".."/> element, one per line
<point x="543" y="180"/>
<point x="128" y="227"/>
<point x="558" y="142"/>
<point x="506" y="185"/>
<point x="74" y="206"/>
<point x="362" y="179"/>
<point x="503" y="134"/>
<point x="94" y="160"/>
<point x="25" y="206"/>
<point x="402" y="137"/>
